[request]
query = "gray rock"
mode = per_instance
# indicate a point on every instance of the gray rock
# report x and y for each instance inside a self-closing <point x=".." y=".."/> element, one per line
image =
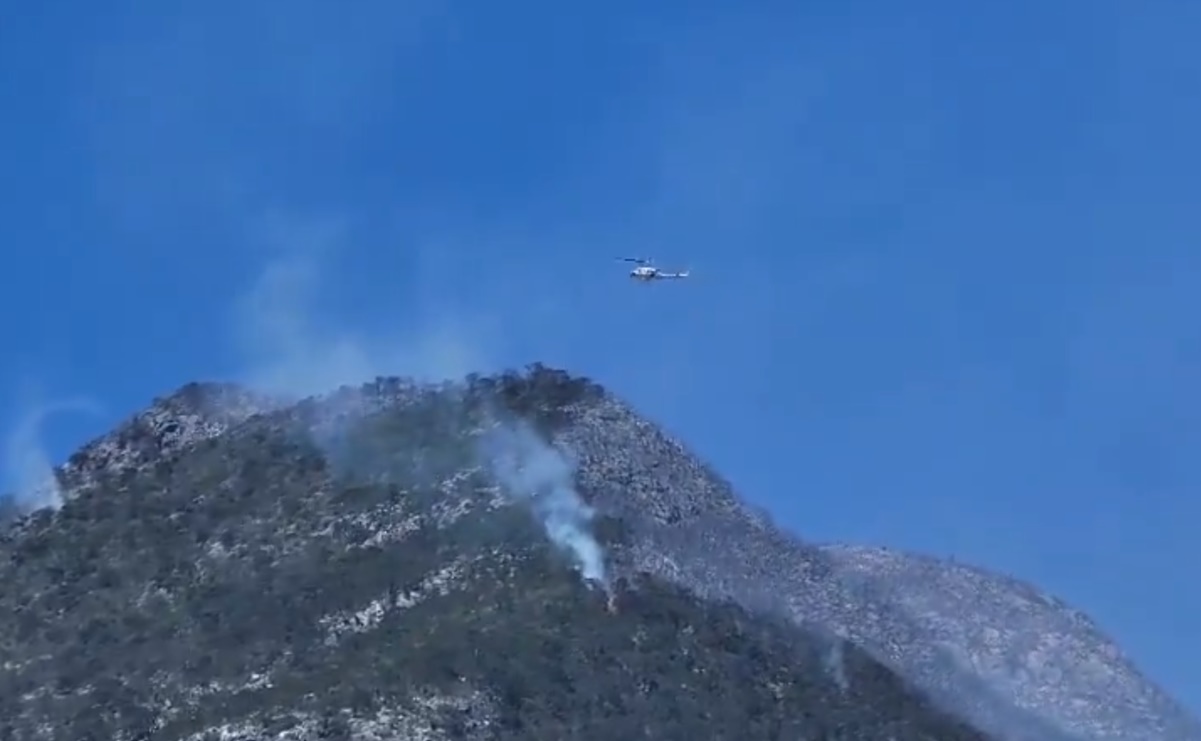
<point x="216" y="495"/>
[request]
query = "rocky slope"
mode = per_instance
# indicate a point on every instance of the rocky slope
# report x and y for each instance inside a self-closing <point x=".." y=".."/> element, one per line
<point x="241" y="578"/>
<point x="1023" y="644"/>
<point x="216" y="497"/>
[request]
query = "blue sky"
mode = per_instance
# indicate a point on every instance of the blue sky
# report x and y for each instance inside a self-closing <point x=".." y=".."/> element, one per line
<point x="946" y="255"/>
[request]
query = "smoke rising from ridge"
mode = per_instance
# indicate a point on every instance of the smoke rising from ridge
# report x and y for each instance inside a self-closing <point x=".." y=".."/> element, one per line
<point x="541" y="475"/>
<point x="28" y="469"/>
<point x="293" y="352"/>
<point x="294" y="348"/>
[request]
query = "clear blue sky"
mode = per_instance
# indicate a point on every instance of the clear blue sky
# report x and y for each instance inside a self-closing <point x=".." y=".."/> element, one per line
<point x="946" y="255"/>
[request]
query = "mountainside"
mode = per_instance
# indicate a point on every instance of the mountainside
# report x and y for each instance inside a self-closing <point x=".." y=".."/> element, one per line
<point x="247" y="579"/>
<point x="354" y="561"/>
<point x="1019" y="641"/>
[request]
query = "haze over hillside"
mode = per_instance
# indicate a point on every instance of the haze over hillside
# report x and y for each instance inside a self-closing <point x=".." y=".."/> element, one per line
<point x="315" y="535"/>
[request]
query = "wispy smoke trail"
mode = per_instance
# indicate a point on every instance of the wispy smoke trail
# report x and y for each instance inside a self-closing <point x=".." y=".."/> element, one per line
<point x="295" y="348"/>
<point x="542" y="475"/>
<point x="28" y="469"/>
<point x="289" y="352"/>
<point x="293" y="345"/>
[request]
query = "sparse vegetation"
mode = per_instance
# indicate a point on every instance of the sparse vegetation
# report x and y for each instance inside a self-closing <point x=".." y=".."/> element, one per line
<point x="254" y="582"/>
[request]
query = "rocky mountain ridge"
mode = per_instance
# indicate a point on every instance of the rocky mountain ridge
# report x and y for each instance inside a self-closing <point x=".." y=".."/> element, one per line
<point x="1014" y="662"/>
<point x="373" y="581"/>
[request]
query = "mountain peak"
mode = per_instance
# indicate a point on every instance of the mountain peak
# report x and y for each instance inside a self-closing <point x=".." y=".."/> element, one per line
<point x="380" y="576"/>
<point x="195" y="412"/>
<point x="243" y="495"/>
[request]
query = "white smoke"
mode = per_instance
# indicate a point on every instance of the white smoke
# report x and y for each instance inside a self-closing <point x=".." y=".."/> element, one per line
<point x="292" y="346"/>
<point x="28" y="468"/>
<point x="544" y="477"/>
<point x="296" y="349"/>
<point x="835" y="663"/>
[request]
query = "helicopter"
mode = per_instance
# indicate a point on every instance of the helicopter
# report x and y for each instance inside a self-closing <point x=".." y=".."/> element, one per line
<point x="646" y="272"/>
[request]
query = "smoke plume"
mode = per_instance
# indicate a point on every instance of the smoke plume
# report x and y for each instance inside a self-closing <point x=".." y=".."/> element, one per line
<point x="294" y="346"/>
<point x="541" y="475"/>
<point x="296" y="349"/>
<point x="28" y="468"/>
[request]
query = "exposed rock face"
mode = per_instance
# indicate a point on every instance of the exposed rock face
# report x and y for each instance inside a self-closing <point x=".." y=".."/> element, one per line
<point x="1020" y="644"/>
<point x="348" y="565"/>
<point x="194" y="413"/>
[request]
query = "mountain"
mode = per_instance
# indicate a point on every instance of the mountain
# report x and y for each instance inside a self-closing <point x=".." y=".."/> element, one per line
<point x="357" y="563"/>
<point x="226" y="567"/>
